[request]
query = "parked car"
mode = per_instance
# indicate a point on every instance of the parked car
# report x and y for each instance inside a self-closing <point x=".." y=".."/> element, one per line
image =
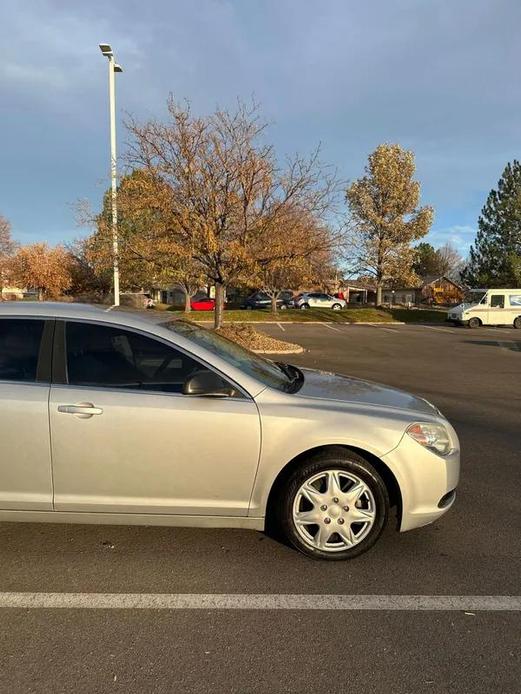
<point x="488" y="307"/>
<point x="318" y="300"/>
<point x="263" y="300"/>
<point x="202" y="303"/>
<point x="112" y="417"/>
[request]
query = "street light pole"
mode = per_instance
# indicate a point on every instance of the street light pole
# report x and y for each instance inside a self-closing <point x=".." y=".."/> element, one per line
<point x="113" y="68"/>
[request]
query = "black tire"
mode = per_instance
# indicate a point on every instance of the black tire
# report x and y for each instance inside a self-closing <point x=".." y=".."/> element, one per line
<point x="337" y="307"/>
<point x="338" y="460"/>
<point x="517" y="323"/>
<point x="283" y="307"/>
<point x="304" y="307"/>
<point x="474" y="323"/>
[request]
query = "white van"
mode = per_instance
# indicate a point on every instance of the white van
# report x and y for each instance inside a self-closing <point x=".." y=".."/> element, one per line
<point x="488" y="307"/>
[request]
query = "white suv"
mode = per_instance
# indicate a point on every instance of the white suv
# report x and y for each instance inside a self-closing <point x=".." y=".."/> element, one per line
<point x="316" y="300"/>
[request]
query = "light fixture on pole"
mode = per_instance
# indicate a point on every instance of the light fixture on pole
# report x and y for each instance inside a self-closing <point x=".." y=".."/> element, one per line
<point x="113" y="68"/>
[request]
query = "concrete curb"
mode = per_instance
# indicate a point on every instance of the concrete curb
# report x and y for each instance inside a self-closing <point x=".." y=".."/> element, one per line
<point x="308" y="322"/>
<point x="323" y="322"/>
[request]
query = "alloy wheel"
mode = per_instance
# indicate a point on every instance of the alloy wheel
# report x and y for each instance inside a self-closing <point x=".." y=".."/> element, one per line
<point x="334" y="510"/>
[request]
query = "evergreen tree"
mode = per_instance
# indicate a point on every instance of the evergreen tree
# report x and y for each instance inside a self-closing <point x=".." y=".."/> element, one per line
<point x="495" y="257"/>
<point x="427" y="261"/>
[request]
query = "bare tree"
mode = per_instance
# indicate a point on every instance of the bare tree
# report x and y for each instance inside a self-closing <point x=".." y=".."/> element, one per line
<point x="225" y="189"/>
<point x="450" y="261"/>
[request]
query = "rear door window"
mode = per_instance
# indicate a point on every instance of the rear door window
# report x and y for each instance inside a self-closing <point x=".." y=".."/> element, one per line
<point x="20" y="340"/>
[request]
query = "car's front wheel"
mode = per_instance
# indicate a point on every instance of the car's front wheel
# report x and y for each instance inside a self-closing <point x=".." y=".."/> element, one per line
<point x="474" y="323"/>
<point x="334" y="507"/>
<point x="304" y="307"/>
<point x="336" y="307"/>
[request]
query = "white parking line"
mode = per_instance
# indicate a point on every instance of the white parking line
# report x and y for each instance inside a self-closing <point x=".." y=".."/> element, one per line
<point x="387" y="330"/>
<point x="280" y="326"/>
<point x="326" y="325"/>
<point x="240" y="601"/>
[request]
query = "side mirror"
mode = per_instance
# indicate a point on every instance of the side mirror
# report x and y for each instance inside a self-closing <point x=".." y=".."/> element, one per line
<point x="207" y="383"/>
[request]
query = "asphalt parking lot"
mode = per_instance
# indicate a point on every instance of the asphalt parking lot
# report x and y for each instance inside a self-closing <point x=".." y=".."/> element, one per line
<point x="474" y="377"/>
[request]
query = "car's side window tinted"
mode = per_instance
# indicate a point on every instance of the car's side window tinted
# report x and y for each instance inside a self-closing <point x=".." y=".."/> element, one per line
<point x="498" y="300"/>
<point x="112" y="357"/>
<point x="19" y="347"/>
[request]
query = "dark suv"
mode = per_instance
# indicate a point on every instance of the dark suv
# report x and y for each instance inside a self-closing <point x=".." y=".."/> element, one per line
<point x="262" y="300"/>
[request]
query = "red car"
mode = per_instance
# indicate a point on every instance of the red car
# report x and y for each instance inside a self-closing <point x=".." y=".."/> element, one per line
<point x="202" y="303"/>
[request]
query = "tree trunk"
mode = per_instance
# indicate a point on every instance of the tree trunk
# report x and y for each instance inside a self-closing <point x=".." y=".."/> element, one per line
<point x="40" y="294"/>
<point x="379" y="294"/>
<point x="219" y="305"/>
<point x="188" y="305"/>
<point x="274" y="304"/>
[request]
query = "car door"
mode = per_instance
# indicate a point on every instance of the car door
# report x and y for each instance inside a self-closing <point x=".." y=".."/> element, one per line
<point x="262" y="300"/>
<point x="125" y="439"/>
<point x="313" y="300"/>
<point x="326" y="300"/>
<point x="496" y="309"/>
<point x="25" y="458"/>
<point x="323" y="301"/>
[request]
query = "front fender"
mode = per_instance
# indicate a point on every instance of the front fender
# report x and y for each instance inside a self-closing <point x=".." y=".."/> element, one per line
<point x="288" y="431"/>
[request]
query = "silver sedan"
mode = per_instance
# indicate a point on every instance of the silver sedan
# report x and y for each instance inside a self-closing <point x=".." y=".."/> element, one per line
<point x="107" y="417"/>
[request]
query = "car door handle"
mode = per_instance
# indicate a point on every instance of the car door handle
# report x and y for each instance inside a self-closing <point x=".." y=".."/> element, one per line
<point x="82" y="409"/>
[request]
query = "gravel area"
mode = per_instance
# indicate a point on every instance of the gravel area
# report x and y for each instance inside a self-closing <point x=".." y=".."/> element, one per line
<point x="250" y="338"/>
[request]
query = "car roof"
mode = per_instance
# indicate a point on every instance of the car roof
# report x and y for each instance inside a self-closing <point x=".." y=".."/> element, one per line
<point x="52" y="309"/>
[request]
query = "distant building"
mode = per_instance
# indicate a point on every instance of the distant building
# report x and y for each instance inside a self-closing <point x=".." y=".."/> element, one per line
<point x="439" y="291"/>
<point x="359" y="291"/>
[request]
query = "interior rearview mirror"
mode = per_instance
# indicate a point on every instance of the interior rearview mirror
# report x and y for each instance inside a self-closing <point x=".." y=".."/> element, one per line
<point x="207" y="383"/>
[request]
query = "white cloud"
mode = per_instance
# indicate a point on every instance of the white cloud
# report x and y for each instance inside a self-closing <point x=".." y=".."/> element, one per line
<point x="459" y="236"/>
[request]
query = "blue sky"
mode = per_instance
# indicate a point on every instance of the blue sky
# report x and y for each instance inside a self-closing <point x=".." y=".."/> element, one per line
<point x="438" y="76"/>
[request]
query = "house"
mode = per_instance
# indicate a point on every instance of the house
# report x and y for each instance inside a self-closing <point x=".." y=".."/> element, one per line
<point x="441" y="291"/>
<point x="359" y="291"/>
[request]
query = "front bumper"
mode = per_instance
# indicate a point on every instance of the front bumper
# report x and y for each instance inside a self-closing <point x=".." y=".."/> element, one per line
<point x="427" y="481"/>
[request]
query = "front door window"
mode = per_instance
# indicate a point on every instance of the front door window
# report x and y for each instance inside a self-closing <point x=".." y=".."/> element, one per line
<point x="110" y="357"/>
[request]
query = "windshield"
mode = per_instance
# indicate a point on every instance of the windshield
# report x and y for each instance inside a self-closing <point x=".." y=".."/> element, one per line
<point x="473" y="296"/>
<point x="279" y="376"/>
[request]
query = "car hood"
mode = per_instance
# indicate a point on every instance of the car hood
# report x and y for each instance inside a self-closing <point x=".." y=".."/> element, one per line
<point x="331" y="386"/>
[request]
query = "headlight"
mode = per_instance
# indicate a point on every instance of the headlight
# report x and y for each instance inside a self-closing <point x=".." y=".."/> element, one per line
<point x="432" y="436"/>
